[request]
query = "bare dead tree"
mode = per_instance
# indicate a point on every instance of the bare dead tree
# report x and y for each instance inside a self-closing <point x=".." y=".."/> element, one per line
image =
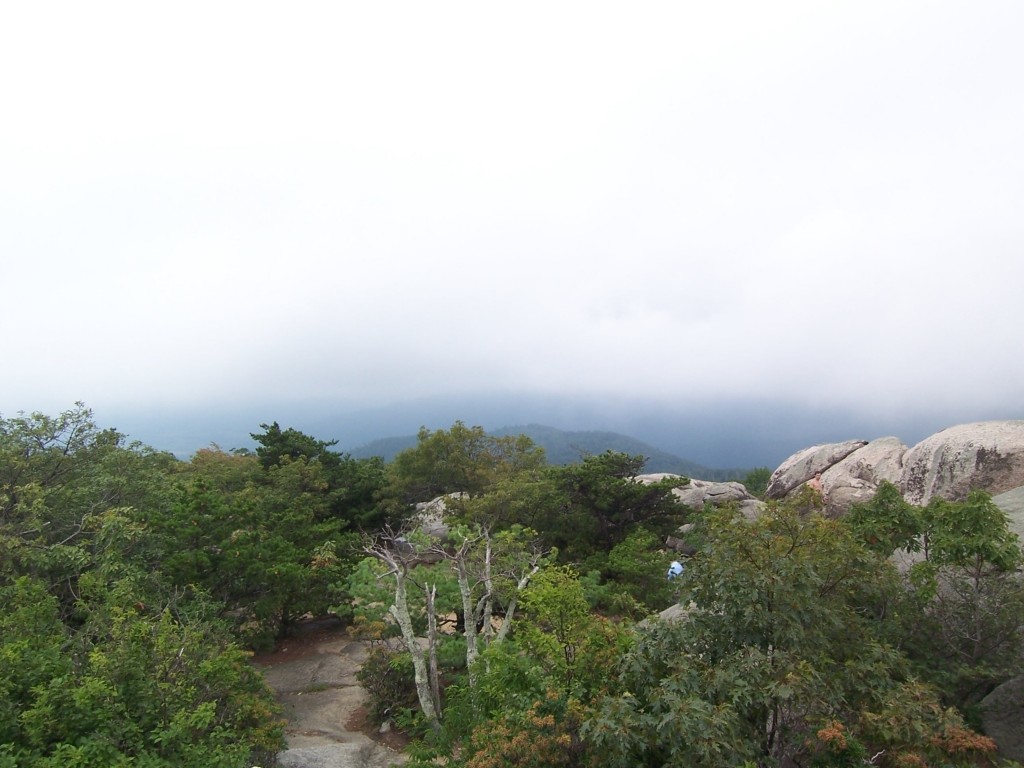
<point x="392" y="550"/>
<point x="482" y="563"/>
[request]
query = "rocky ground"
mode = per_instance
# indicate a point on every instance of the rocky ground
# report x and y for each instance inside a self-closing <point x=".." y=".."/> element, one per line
<point x="314" y="677"/>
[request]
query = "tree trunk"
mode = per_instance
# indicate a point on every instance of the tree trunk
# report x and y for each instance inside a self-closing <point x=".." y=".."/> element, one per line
<point x="510" y="612"/>
<point x="488" y="629"/>
<point x="400" y="610"/>
<point x="469" y="615"/>
<point x="435" y="679"/>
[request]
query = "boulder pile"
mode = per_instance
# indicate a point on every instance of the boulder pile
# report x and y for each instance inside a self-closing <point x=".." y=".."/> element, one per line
<point x="985" y="455"/>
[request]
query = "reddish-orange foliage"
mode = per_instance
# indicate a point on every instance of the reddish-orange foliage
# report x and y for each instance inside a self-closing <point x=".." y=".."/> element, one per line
<point x="955" y="740"/>
<point x="834" y="735"/>
<point x="547" y="734"/>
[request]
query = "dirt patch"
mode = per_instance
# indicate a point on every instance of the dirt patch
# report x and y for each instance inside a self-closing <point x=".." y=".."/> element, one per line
<point x="306" y="639"/>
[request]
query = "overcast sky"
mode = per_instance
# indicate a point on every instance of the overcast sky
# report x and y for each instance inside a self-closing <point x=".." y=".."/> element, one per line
<point x="370" y="202"/>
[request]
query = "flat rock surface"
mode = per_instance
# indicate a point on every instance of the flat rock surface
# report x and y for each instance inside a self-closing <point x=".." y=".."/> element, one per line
<point x="313" y="676"/>
<point x="1012" y="503"/>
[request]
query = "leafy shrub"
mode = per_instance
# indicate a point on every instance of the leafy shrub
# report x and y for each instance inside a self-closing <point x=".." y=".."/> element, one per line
<point x="387" y="676"/>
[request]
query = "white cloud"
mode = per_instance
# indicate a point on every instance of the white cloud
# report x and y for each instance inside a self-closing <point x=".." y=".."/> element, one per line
<point x="373" y="202"/>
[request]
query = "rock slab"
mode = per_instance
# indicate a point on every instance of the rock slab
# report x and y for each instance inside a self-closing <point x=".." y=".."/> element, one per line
<point x="1012" y="503"/>
<point x="320" y="693"/>
<point x="988" y="455"/>
<point x="855" y="478"/>
<point x="802" y="466"/>
<point x="1002" y="716"/>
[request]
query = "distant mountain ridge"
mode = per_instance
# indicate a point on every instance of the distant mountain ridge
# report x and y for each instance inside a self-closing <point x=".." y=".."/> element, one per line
<point x="715" y="433"/>
<point x="567" y="447"/>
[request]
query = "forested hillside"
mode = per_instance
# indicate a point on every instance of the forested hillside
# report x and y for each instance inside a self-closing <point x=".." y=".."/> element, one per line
<point x="515" y="628"/>
<point x="568" y="447"/>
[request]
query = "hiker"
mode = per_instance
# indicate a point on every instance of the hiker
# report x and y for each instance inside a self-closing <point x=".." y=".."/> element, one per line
<point x="815" y="484"/>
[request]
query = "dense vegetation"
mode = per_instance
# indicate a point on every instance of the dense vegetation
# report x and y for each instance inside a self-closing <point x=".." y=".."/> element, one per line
<point x="568" y="447"/>
<point x="134" y="586"/>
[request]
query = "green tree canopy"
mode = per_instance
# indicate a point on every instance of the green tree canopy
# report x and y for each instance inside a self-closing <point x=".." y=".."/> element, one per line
<point x="887" y="522"/>
<point x="103" y="660"/>
<point x="58" y="476"/>
<point x="962" y="621"/>
<point x="599" y="502"/>
<point x="756" y="481"/>
<point x="775" y="657"/>
<point x="265" y="542"/>
<point x="459" y="460"/>
<point x="133" y="686"/>
<point x="350" y="485"/>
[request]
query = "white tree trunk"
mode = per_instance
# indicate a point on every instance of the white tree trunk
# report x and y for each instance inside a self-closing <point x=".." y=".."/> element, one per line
<point x="488" y="606"/>
<point x="430" y="593"/>
<point x="511" y="610"/>
<point x="400" y="611"/>
<point x="469" y="612"/>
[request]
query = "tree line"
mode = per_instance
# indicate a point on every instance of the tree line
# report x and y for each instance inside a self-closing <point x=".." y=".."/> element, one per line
<point x="516" y="631"/>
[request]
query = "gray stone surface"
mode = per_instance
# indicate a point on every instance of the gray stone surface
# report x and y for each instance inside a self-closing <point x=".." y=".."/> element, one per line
<point x="430" y="515"/>
<point x="1003" y="717"/>
<point x="701" y="492"/>
<point x="988" y="455"/>
<point x="855" y="478"/>
<point x="985" y="455"/>
<point x="1012" y="503"/>
<point x="695" y="493"/>
<point x="698" y="492"/>
<point x="320" y="694"/>
<point x="335" y="756"/>
<point x="802" y="466"/>
<point x="305" y="674"/>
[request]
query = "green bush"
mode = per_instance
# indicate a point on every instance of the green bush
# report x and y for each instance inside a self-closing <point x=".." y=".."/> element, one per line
<point x="387" y="676"/>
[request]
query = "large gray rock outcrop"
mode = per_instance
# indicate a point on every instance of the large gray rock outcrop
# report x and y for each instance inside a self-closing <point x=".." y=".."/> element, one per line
<point x="657" y="477"/>
<point x="697" y="493"/>
<point x="1002" y="716"/>
<point x="855" y="479"/>
<point x="802" y="466"/>
<point x="987" y="455"/>
<point x="701" y="492"/>
<point x="1012" y="503"/>
<point x="430" y="516"/>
